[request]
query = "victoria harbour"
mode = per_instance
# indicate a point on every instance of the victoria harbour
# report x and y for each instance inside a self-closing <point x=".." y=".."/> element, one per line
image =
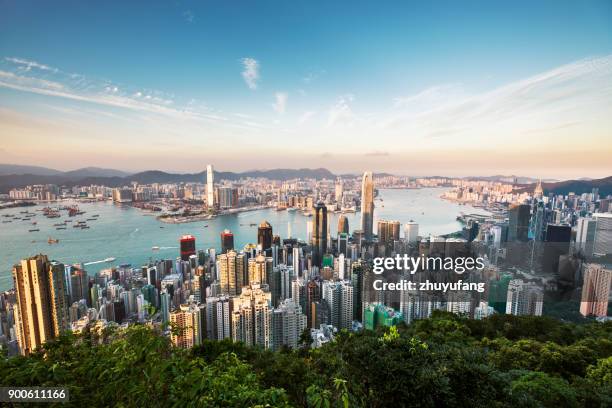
<point x="129" y="235"/>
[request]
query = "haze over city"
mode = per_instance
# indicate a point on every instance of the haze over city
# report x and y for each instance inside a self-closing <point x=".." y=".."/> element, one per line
<point x="457" y="90"/>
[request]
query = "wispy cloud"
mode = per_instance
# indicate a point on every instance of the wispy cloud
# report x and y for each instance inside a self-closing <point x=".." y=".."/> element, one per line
<point x="27" y="65"/>
<point x="188" y="16"/>
<point x="340" y="113"/>
<point x="305" y="117"/>
<point x="280" y="104"/>
<point x="250" y="72"/>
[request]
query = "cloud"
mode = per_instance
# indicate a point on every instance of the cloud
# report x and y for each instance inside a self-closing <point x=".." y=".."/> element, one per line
<point x="188" y="16"/>
<point x="306" y="116"/>
<point x="27" y="65"/>
<point x="250" y="72"/>
<point x="281" y="102"/>
<point x="340" y="113"/>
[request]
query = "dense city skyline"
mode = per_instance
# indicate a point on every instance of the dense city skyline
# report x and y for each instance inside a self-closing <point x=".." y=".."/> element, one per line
<point x="519" y="90"/>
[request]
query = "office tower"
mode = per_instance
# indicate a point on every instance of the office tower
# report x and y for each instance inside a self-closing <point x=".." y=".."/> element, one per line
<point x="218" y="318"/>
<point x="230" y="270"/>
<point x="227" y="241"/>
<point x="288" y="323"/>
<point x="279" y="281"/>
<point x="388" y="231"/>
<point x="319" y="234"/>
<point x="602" y="244"/>
<point x="165" y="303"/>
<point x="411" y="232"/>
<point x="585" y="235"/>
<point x="257" y="270"/>
<point x="187" y="324"/>
<point x="518" y="228"/>
<point x="556" y="243"/>
<point x="343" y="225"/>
<point x="341" y="267"/>
<point x="367" y="205"/>
<point x="498" y="292"/>
<point x="378" y="315"/>
<point x="79" y="284"/>
<point x="358" y="272"/>
<point x="524" y="298"/>
<point x="188" y="246"/>
<point x="264" y="235"/>
<point x="604" y="205"/>
<point x="339" y="191"/>
<point x="538" y="191"/>
<point x="41" y="311"/>
<point x="251" y="317"/>
<point x="339" y="297"/>
<point x="295" y="260"/>
<point x="595" y="290"/>
<point x="228" y="197"/>
<point x="313" y="294"/>
<point x="210" y="188"/>
<point x="343" y="243"/>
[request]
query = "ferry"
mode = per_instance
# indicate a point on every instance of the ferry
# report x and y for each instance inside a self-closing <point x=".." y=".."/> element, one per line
<point x="60" y="228"/>
<point x="33" y="230"/>
<point x="155" y="248"/>
<point x="110" y="259"/>
<point x="7" y="221"/>
<point x="52" y="241"/>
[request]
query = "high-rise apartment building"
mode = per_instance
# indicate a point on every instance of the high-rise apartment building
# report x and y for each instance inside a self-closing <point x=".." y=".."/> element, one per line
<point x="188" y="325"/>
<point x="288" y="323"/>
<point x="230" y="272"/>
<point x="367" y="205"/>
<point x="339" y="297"/>
<point x="251" y="316"/>
<point x="602" y="244"/>
<point x="595" y="290"/>
<point x="42" y="310"/>
<point x="524" y="298"/>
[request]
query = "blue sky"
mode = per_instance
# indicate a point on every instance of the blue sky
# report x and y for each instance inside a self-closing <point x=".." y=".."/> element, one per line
<point x="335" y="84"/>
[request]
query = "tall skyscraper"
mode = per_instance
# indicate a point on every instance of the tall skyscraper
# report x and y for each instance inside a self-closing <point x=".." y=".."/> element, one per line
<point x="210" y="187"/>
<point x="388" y="231"/>
<point x="264" y="235"/>
<point x="585" y="235"/>
<point x="218" y="318"/>
<point x="42" y="311"/>
<point x="227" y="241"/>
<point x="339" y="191"/>
<point x="188" y="246"/>
<point x="319" y="233"/>
<point x="188" y="325"/>
<point x="595" y="290"/>
<point x="258" y="270"/>
<point x="251" y="317"/>
<point x="343" y="225"/>
<point x="518" y="228"/>
<point x="231" y="272"/>
<point x="411" y="232"/>
<point x="602" y="244"/>
<point x="367" y="205"/>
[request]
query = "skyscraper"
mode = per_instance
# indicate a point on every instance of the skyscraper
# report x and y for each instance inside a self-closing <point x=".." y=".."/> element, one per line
<point x="264" y="235"/>
<point x="411" y="232"/>
<point x="210" y="188"/>
<point x="251" y="317"/>
<point x="288" y="323"/>
<point x="339" y="297"/>
<point x="603" y="234"/>
<point x="585" y="235"/>
<point x="42" y="311"/>
<point x="227" y="241"/>
<point x="188" y="246"/>
<point x="524" y="298"/>
<point x="518" y="228"/>
<point x="595" y="290"/>
<point x="231" y="271"/>
<point x="343" y="225"/>
<point x="367" y="205"/>
<point x="188" y="325"/>
<point x="319" y="233"/>
<point x="388" y="231"/>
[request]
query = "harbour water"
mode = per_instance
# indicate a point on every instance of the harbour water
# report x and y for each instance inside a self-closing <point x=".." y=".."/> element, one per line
<point x="129" y="234"/>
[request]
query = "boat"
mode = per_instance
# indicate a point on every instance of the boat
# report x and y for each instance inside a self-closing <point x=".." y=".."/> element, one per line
<point x="111" y="259"/>
<point x="33" y="230"/>
<point x="155" y="248"/>
<point x="52" y="241"/>
<point x="91" y="219"/>
<point x="6" y="222"/>
<point x="84" y="227"/>
<point x="34" y="223"/>
<point x="60" y="228"/>
<point x="206" y="226"/>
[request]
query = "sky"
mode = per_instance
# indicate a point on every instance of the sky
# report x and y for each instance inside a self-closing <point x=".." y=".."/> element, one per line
<point x="416" y="88"/>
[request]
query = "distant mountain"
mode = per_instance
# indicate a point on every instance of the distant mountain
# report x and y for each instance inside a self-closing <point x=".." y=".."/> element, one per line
<point x="95" y="172"/>
<point x="115" y="178"/>
<point x="510" y="179"/>
<point x="576" y="186"/>
<point x="20" y="169"/>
